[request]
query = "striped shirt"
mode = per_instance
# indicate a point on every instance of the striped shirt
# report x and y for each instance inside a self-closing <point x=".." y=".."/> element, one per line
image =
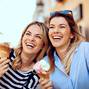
<point x="15" y="79"/>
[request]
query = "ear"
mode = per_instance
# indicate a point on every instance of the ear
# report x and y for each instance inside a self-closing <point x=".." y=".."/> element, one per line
<point x="71" y="36"/>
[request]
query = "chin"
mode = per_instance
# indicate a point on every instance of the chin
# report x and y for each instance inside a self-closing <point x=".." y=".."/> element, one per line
<point x="32" y="52"/>
<point x="29" y="51"/>
<point x="56" y="45"/>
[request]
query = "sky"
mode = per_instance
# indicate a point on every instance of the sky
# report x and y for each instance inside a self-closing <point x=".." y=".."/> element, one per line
<point x="15" y="15"/>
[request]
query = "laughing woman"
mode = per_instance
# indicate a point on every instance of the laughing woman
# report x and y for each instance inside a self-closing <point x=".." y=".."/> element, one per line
<point x="68" y="54"/>
<point x="32" y="48"/>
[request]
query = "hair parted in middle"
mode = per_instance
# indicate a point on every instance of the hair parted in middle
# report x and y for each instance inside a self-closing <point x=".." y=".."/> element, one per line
<point x="41" y="53"/>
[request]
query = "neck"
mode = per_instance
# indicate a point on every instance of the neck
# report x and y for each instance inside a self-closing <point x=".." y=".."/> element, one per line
<point x="27" y="60"/>
<point x="61" y="51"/>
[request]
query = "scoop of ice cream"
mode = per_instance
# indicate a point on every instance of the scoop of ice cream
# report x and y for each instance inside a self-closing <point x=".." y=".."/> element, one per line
<point x="41" y="67"/>
<point x="4" y="51"/>
<point x="3" y="54"/>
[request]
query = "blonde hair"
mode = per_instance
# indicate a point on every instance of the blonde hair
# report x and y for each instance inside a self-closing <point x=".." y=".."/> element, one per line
<point x="17" y="62"/>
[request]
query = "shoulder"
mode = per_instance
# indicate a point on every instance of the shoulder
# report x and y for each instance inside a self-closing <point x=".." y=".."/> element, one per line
<point x="84" y="45"/>
<point x="12" y="54"/>
<point x="83" y="48"/>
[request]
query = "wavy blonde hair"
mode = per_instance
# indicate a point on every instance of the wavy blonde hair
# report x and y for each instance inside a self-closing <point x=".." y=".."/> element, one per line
<point x="17" y="62"/>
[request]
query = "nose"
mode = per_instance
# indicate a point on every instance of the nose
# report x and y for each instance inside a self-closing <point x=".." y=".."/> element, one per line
<point x="32" y="38"/>
<point x="56" y="30"/>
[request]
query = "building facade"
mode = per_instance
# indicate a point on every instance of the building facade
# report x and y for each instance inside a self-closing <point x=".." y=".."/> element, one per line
<point x="79" y="8"/>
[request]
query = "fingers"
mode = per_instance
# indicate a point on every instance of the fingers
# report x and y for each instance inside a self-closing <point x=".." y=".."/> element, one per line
<point x="49" y="88"/>
<point x="3" y="59"/>
<point x="46" y="84"/>
<point x="3" y="66"/>
<point x="3" y="71"/>
<point x="4" y="62"/>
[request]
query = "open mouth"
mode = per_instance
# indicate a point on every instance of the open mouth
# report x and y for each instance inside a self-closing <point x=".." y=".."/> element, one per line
<point x="30" y="45"/>
<point x="57" y="37"/>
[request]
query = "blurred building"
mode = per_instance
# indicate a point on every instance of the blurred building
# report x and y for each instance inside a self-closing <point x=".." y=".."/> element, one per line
<point x="42" y="10"/>
<point x="79" y="8"/>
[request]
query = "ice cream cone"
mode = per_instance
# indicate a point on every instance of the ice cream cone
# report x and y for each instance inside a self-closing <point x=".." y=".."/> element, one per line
<point x="42" y="69"/>
<point x="44" y="76"/>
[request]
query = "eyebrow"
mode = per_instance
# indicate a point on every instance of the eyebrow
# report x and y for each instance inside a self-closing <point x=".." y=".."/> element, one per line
<point x="39" y="34"/>
<point x="36" y="34"/>
<point x="51" y="25"/>
<point x="59" y="24"/>
<point x="28" y="32"/>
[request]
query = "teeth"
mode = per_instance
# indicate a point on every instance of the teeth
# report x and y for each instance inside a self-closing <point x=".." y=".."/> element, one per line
<point x="57" y="37"/>
<point x="30" y="45"/>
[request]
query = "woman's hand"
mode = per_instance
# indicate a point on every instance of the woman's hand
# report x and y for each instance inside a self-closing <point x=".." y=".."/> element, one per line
<point x="3" y="66"/>
<point x="45" y="83"/>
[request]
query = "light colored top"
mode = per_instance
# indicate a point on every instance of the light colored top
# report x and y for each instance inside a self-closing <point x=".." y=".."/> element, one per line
<point x="79" y="71"/>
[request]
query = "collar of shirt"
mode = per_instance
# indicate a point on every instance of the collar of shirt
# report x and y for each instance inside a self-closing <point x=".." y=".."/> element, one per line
<point x="58" y="63"/>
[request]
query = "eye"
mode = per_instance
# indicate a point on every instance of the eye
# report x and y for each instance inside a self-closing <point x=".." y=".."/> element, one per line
<point x="62" y="26"/>
<point x="50" y="27"/>
<point x="37" y="36"/>
<point x="27" y="33"/>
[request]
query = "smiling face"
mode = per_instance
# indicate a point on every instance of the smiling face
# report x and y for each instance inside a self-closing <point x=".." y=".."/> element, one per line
<point x="59" y="32"/>
<point x="32" y="41"/>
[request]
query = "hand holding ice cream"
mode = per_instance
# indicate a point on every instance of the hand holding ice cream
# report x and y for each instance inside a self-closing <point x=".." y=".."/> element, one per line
<point x="4" y="55"/>
<point x="42" y="68"/>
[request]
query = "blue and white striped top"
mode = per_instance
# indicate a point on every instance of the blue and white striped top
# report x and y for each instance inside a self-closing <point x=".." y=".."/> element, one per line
<point x="18" y="80"/>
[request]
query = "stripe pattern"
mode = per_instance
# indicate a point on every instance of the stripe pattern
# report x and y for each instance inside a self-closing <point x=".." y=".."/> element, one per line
<point x="18" y="80"/>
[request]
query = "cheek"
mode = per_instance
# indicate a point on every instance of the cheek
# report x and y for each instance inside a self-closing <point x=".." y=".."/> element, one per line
<point x="67" y="36"/>
<point x="40" y="43"/>
<point x="49" y="34"/>
<point x="22" y="42"/>
<point x="67" y="33"/>
<point x="39" y="47"/>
